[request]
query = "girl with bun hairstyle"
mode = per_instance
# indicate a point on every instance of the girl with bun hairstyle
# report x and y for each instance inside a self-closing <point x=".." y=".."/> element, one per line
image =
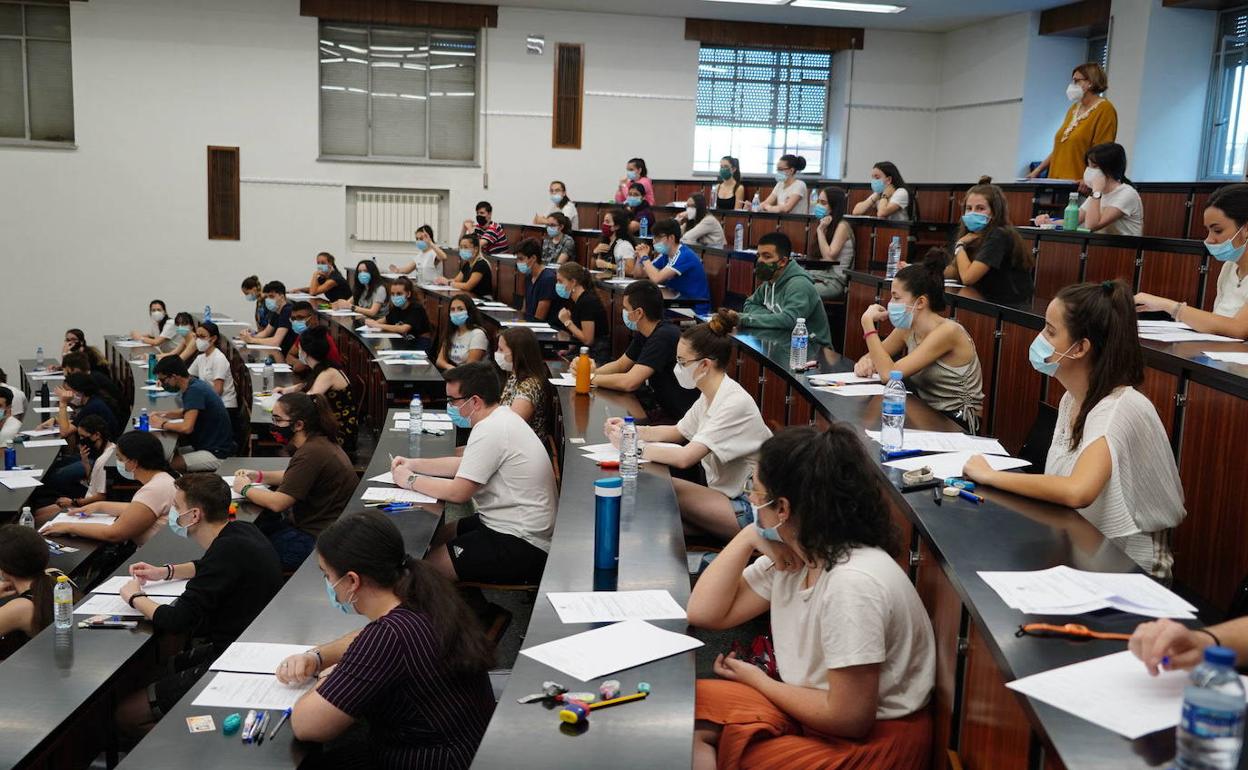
<point x="789" y="195"/>
<point x="934" y="353"/>
<point x="723" y="431"/>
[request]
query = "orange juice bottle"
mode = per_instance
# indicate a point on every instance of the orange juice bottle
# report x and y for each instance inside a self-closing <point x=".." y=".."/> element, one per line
<point x="582" y="371"/>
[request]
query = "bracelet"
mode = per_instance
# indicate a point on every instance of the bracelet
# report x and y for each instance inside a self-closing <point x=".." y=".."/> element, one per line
<point x="259" y="477"/>
<point x="246" y="488"/>
<point x="1212" y="635"/>
<point x="866" y="335"/>
<point x="1178" y="308"/>
<point x="168" y="572"/>
<point x="130" y="601"/>
<point x="320" y="662"/>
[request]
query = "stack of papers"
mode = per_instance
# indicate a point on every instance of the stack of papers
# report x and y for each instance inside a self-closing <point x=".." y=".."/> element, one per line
<point x="612" y="606"/>
<point x="607" y="453"/>
<point x="388" y="495"/>
<point x="21" y="479"/>
<point x="99" y="519"/>
<point x="343" y="313"/>
<point x="948" y="464"/>
<point x="393" y="353"/>
<point x="152" y="587"/>
<point x="129" y="344"/>
<point x="1230" y="358"/>
<point x="277" y="368"/>
<point x="261" y="346"/>
<point x="529" y="324"/>
<point x="1155" y="327"/>
<point x="594" y="654"/>
<point x="41" y="432"/>
<point x="377" y="334"/>
<point x="1064" y="591"/>
<point x="936" y="441"/>
<point x="620" y="281"/>
<point x="1183" y="336"/>
<point x="841" y="378"/>
<point x="489" y="304"/>
<point x="46" y="375"/>
<point x="853" y="390"/>
<point x="45" y="442"/>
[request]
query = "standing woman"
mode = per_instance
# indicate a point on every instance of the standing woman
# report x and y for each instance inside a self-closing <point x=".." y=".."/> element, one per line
<point x="427" y="264"/>
<point x="252" y="293"/>
<point x="368" y="291"/>
<point x="560" y="202"/>
<point x="934" y="353"/>
<point x="889" y="198"/>
<point x="730" y="192"/>
<point x="161" y="331"/>
<point x="836" y="243"/>
<point x="1090" y="121"/>
<point x="475" y="275"/>
<point x="211" y="366"/>
<point x="464" y="340"/>
<point x="558" y="246"/>
<point x="618" y="242"/>
<point x="699" y="227"/>
<point x="327" y="280"/>
<point x="24" y="567"/>
<point x="789" y="195"/>
<point x="635" y="172"/>
<point x="1110" y="457"/>
<point x="990" y="254"/>
<point x="527" y="390"/>
<point x="639" y="209"/>
<point x="585" y="318"/>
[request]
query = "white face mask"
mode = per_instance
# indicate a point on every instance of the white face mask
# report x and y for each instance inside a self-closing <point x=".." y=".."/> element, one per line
<point x="1074" y="92"/>
<point x="691" y="212"/>
<point x="1092" y="175"/>
<point x="158" y="316"/>
<point x="201" y="344"/>
<point x="685" y="376"/>
<point x="501" y="359"/>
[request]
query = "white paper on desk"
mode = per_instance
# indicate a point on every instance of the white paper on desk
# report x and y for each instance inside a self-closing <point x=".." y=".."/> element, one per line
<point x="491" y="305"/>
<point x="610" y="606"/>
<point x="256" y="657"/>
<point x="947" y="464"/>
<point x="528" y="324"/>
<point x="612" y="456"/>
<point x="1181" y="336"/>
<point x="842" y="378"/>
<point x="854" y="390"/>
<point x="343" y="313"/>
<point x="385" y="495"/>
<point x="1134" y="592"/>
<point x="250" y="691"/>
<point x="1227" y="357"/>
<point x="258" y="366"/>
<point x="46" y="376"/>
<point x="620" y="281"/>
<point x="129" y="344"/>
<point x="267" y="402"/>
<point x="20" y="482"/>
<point x="152" y="587"/>
<point x="47" y="410"/>
<point x="228" y="478"/>
<point x="435" y="287"/>
<point x="1114" y="692"/>
<point x="45" y="442"/>
<point x="98" y="519"/>
<point x="937" y="441"/>
<point x="1062" y="590"/>
<point x="42" y="432"/>
<point x="229" y="323"/>
<point x="257" y="346"/>
<point x="382" y="335"/>
<point x="594" y="449"/>
<point x="111" y="604"/>
<point x="594" y="654"/>
<point x="1162" y="325"/>
<point x="401" y="353"/>
<point x="36" y="472"/>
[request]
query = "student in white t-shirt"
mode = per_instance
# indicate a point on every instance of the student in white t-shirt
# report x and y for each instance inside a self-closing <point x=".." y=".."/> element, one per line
<point x="722" y="430"/>
<point x="97" y="453"/>
<point x="1113" y="207"/>
<point x="854" y="648"/>
<point x="17" y="405"/>
<point x="464" y="340"/>
<point x="889" y="198"/>
<point x="162" y="329"/>
<point x="427" y="264"/>
<point x="789" y="196"/>
<point x="560" y="202"/>
<point x="10" y="424"/>
<point x="504" y="470"/>
<point x="211" y="365"/>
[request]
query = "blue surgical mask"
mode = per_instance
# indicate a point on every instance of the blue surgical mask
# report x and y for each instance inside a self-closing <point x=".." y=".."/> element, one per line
<point x="345" y="609"/>
<point x="768" y="533"/>
<point x="398" y="300"/>
<point x="364" y="277"/>
<point x="556" y="198"/>
<point x="270" y="304"/>
<point x="1039" y="353"/>
<point x="975" y="221"/>
<point x="563" y="291"/>
<point x="780" y="176"/>
<point x="459" y="318"/>
<point x="298" y="327"/>
<point x="465" y="253"/>
<point x="633" y="201"/>
<point x="124" y="472"/>
<point x="322" y="268"/>
<point x="900" y="314"/>
<point x="819" y="211"/>
<point x="877" y="186"/>
<point x="663" y="249"/>
<point x="630" y="323"/>
<point x="177" y="528"/>
<point x="552" y="231"/>
<point x="457" y="419"/>
<point x="183" y="330"/>
<point x="523" y="267"/>
<point x="632" y="175"/>
<point x="421" y="245"/>
<point x="1226" y="251"/>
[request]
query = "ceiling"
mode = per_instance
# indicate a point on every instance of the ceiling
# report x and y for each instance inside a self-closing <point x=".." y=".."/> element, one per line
<point x="919" y="16"/>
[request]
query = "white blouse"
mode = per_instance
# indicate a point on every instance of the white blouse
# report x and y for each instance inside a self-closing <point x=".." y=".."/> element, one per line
<point x="1232" y="291"/>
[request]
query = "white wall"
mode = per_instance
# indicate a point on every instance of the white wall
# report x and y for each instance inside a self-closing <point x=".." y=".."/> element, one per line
<point x="1050" y="60"/>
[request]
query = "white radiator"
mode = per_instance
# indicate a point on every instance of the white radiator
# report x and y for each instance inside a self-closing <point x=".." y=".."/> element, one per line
<point x="393" y="216"/>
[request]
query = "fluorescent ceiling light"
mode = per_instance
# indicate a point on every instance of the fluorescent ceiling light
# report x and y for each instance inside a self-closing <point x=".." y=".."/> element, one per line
<point x="753" y="2"/>
<point x="837" y="5"/>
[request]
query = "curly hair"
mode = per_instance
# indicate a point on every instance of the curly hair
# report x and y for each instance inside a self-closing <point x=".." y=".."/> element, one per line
<point x="832" y="489"/>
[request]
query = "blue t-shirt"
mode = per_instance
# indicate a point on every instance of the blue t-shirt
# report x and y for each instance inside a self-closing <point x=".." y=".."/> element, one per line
<point x="213" y="431"/>
<point x="691" y="280"/>
<point x="536" y="289"/>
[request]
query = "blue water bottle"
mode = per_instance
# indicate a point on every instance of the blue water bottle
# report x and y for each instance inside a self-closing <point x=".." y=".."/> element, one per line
<point x="151" y="368"/>
<point x="207" y="312"/>
<point x="607" y="494"/>
<point x="10" y="459"/>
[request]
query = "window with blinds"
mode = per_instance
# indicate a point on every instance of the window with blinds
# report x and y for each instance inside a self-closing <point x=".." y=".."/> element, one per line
<point x="569" y="96"/>
<point x="395" y="93"/>
<point x="757" y="104"/>
<point x="1098" y="51"/>
<point x="1226" y="130"/>
<point x="36" y="76"/>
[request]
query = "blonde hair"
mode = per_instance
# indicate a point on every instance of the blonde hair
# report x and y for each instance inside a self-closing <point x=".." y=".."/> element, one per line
<point x="1095" y="74"/>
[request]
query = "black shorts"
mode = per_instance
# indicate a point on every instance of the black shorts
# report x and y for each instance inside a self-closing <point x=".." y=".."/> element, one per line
<point x="182" y="671"/>
<point x="481" y="555"/>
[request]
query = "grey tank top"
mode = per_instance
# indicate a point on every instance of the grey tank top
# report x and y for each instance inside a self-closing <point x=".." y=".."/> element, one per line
<point x="957" y="390"/>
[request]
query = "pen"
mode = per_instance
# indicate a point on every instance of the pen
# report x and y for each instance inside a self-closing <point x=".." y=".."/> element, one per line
<point x="280" y="722"/>
<point x="248" y="723"/>
<point x="260" y="723"/>
<point x="902" y="453"/>
<point x="936" y="496"/>
<point x="974" y="498"/>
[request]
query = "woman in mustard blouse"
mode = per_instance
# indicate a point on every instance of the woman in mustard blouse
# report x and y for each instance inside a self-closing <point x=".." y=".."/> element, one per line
<point x="1091" y="120"/>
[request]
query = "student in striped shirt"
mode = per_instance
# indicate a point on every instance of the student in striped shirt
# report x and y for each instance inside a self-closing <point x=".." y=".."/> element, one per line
<point x="493" y="239"/>
<point x="416" y="674"/>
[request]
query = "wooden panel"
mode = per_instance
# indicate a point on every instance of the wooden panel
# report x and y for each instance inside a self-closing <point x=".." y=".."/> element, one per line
<point x="664" y="191"/>
<point x="801" y="411"/>
<point x="983" y="331"/>
<point x="1196" y="222"/>
<point x="1057" y="265"/>
<point x="620" y="335"/>
<point x="410" y="13"/>
<point x="796" y="230"/>
<point x="1165" y="214"/>
<point x="863" y="247"/>
<point x="995" y="732"/>
<point x="1211" y="284"/>
<point x="223" y="195"/>
<point x="1017" y="390"/>
<point x="859" y="298"/>
<point x="686" y="189"/>
<point x="587" y="215"/>
<point x="774" y="409"/>
<point x="740" y="277"/>
<point x="730" y="220"/>
<point x="1162" y="388"/>
<point x="945" y="610"/>
<point x="1088" y="18"/>
<point x="749" y="372"/>
<point x="1172" y="275"/>
<point x="1020" y="203"/>
<point x="509" y="289"/>
<point x="857" y="195"/>
<point x="1209" y="553"/>
<point x="715" y="265"/>
<point x="569" y="96"/>
<point x="717" y="32"/>
<point x="935" y="205"/>
<point x="884" y="237"/>
<point x="1105" y="263"/>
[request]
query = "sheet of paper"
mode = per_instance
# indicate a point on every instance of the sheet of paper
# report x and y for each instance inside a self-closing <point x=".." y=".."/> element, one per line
<point x="1051" y="588"/>
<point x="41" y="432"/>
<point x="619" y="281"/>
<point x="20" y="482"/>
<point x="46" y="410"/>
<point x="45" y="442"/>
<point x="277" y="368"/>
<point x="258" y="346"/>
<point x="435" y="287"/>
<point x="853" y="390"/>
<point x="842" y="378"/>
<point x="36" y="472"/>
<point x="392" y="495"/>
<point x="1227" y="357"/>
<point x="610" y="457"/>
<point x="128" y="344"/>
<point x="489" y="305"/>
<point x="936" y="441"/>
<point x="610" y="606"/>
<point x="594" y="654"/>
<point x="1062" y="590"/>
<point x="1181" y="336"/>
<point x="249" y="691"/>
<point x="152" y="588"/>
<point x="98" y="519"/>
<point x="229" y="323"/>
<point x="1114" y="692"/>
<point x="947" y="464"/>
<point x="256" y="657"/>
<point x="401" y="354"/>
<point x="381" y="335"/>
<point x="344" y="313"/>
<point x="1162" y="325"/>
<point x="529" y="324"/>
<point x="594" y="449"/>
<point x="111" y="604"/>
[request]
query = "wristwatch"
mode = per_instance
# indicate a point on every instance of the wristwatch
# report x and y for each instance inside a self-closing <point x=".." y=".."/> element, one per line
<point x="1097" y="195"/>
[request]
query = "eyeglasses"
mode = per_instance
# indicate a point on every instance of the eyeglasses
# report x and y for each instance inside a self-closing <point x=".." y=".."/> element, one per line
<point x="686" y="361"/>
<point x="459" y="400"/>
<point x="281" y="422"/>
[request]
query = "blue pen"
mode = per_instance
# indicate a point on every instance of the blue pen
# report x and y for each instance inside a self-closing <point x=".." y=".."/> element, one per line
<point x="902" y="453"/>
<point x="1165" y="661"/>
<point x="974" y="498"/>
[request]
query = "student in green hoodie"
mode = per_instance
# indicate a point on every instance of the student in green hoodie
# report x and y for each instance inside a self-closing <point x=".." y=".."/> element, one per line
<point x="785" y="292"/>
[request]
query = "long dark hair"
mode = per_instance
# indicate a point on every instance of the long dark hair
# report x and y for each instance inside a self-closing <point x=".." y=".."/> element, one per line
<point x="145" y="449"/>
<point x="927" y="278"/>
<point x="316" y="343"/>
<point x="1021" y="257"/>
<point x="699" y="209"/>
<point x="735" y="165"/>
<point x="23" y="554"/>
<point x="369" y="544"/>
<point x="1103" y="314"/>
<point x="563" y="201"/>
<point x="838" y="204"/>
<point x="889" y="169"/>
<point x="1231" y="200"/>
<point x="84" y="383"/>
<point x="621" y="218"/>
<point x="317" y="416"/>
<point x="642" y="171"/>
<point x="474" y="321"/>
<point x="832" y="488"/>
<point x="361" y="289"/>
<point x="526" y="358"/>
<point x="1110" y="158"/>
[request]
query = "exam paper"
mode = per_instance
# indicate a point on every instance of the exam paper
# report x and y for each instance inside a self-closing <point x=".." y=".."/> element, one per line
<point x="129" y="344"/>
<point x="228" y="478"/>
<point x="936" y="441"/>
<point x="435" y="287"/>
<point x="151" y="588"/>
<point x="842" y="378"/>
<point x="948" y="464"/>
<point x="608" y="606"/>
<point x="250" y="691"/>
<point x="256" y="657"/>
<point x="382" y="494"/>
<point x="1230" y="358"/>
<point x="1182" y="336"/>
<point x="257" y="346"/>
<point x="44" y="442"/>
<point x="47" y="410"/>
<point x="42" y="432"/>
<point x="612" y="456"/>
<point x="111" y="604"/>
<point x="1062" y="590"/>
<point x="1114" y="692"/>
<point x="381" y="335"/>
<point x="343" y="313"/>
<point x="20" y="482"/>
<point x="593" y="654"/>
<point x="395" y="353"/>
<point x="853" y="390"/>
<point x="528" y="324"/>
<point x="258" y="366"/>
<point x="1156" y="326"/>
<point x="101" y="519"/>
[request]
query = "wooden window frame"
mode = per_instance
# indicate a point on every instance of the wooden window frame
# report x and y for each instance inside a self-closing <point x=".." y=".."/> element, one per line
<point x="227" y="233"/>
<point x="580" y="100"/>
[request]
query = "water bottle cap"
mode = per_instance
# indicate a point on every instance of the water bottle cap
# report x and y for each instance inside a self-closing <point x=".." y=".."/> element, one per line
<point x="1220" y="656"/>
<point x="584" y="350"/>
<point x="628" y="419"/>
<point x="896" y="239"/>
<point x="611" y="482"/>
<point x="801" y="320"/>
<point x="894" y="374"/>
<point x="62" y="579"/>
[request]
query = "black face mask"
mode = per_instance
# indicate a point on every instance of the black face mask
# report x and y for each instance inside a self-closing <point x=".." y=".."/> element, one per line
<point x="283" y="433"/>
<point x="481" y="220"/>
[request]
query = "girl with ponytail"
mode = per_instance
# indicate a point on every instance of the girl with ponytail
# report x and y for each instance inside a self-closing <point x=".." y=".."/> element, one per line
<point x="421" y="639"/>
<point x="25" y="578"/>
<point x="1110" y="457"/>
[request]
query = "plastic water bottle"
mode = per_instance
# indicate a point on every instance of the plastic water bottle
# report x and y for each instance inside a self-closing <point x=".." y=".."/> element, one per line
<point x="10" y="456"/>
<point x="144" y="421"/>
<point x="266" y="378"/>
<point x="645" y="229"/>
<point x="755" y="203"/>
<point x="620" y="268"/>
<point x="893" y="414"/>
<point x="207" y="312"/>
<point x="894" y="256"/>
<point x="39" y="357"/>
<point x="1211" y="728"/>
<point x="415" y="416"/>
<point x="151" y="368"/>
<point x="628" y="449"/>
<point x="607" y="494"/>
<point x="1070" y="216"/>
<point x="738" y="238"/>
<point x="63" y="603"/>
<point x="27" y="519"/>
<point x="798" y="344"/>
<point x="45" y="396"/>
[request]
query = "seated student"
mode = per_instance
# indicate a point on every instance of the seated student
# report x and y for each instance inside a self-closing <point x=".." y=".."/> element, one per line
<point x="618" y="242"/>
<point x="789" y="195"/>
<point x="421" y="638"/>
<point x="427" y="264"/>
<point x="327" y="279"/>
<point x="10" y="424"/>
<point x="309" y="495"/>
<point x="836" y="244"/>
<point x="640" y="211"/>
<point x="368" y="291"/>
<point x="889" y="198"/>
<point x="723" y="431"/>
<point x="989" y="254"/>
<point x="935" y="354"/>
<point x="785" y="293"/>
<point x="541" y="301"/>
<point x="277" y="330"/>
<point x="211" y="366"/>
<point x="635" y="172"/>
<point x="96" y="453"/>
<point x="504" y="470"/>
<point x="1113" y="207"/>
<point x="161" y="331"/>
<point x="83" y="393"/>
<point x="183" y="335"/>
<point x="302" y="317"/>
<point x="583" y="316"/>
<point x="464" y="340"/>
<point x="206" y="426"/>
<point x="1166" y="645"/>
<point x="1226" y="219"/>
<point x="406" y="316"/>
<point x="105" y="384"/>
<point x="76" y="342"/>
<point x="676" y="267"/>
<point x="730" y="190"/>
<point x="558" y="246"/>
<point x="527" y="390"/>
<point x="698" y="227"/>
<point x="17" y="404"/>
<point x="226" y="589"/>
<point x="140" y="457"/>
<point x="650" y="360"/>
<point x="489" y="234"/>
<point x="325" y="377"/>
<point x="252" y="293"/>
<point x="475" y="273"/>
<point x="853" y="644"/>
<point x="25" y="582"/>
<point x="1110" y="457"/>
<point x="560" y="202"/>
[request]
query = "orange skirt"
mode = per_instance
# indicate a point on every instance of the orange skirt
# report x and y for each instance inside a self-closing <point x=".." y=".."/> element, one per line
<point x="758" y="736"/>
